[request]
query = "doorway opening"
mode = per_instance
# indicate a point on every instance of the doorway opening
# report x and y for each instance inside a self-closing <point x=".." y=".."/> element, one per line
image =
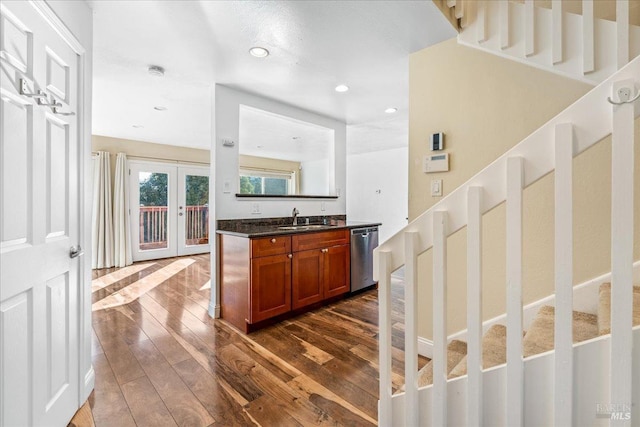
<point x="169" y="210"/>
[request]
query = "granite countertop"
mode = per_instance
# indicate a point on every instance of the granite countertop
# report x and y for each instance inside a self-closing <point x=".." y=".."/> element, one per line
<point x="280" y="226"/>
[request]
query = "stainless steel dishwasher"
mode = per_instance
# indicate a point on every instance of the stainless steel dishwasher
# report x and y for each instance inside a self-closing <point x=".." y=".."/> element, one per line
<point x="363" y="242"/>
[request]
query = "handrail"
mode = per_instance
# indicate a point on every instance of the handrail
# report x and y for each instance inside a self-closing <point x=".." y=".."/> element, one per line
<point x="591" y="120"/>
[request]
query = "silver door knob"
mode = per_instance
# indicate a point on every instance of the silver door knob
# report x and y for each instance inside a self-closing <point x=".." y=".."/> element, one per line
<point x="75" y="252"/>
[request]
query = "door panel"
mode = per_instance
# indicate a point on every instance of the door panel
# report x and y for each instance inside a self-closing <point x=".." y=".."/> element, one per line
<point x="307" y="278"/>
<point x="336" y="271"/>
<point x="270" y="287"/>
<point x="152" y="196"/>
<point x="39" y="186"/>
<point x="193" y="210"/>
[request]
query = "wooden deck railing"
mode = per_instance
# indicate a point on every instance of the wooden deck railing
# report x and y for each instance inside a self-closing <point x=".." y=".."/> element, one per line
<point x="154" y="226"/>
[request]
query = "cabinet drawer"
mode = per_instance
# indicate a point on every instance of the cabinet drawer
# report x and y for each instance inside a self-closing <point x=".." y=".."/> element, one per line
<point x="268" y="246"/>
<point x="321" y="240"/>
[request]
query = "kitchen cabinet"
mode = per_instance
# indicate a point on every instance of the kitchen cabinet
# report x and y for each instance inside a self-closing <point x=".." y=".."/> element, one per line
<point x="320" y="267"/>
<point x="262" y="278"/>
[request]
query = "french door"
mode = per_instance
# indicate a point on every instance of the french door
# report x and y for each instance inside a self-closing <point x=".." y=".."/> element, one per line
<point x="169" y="210"/>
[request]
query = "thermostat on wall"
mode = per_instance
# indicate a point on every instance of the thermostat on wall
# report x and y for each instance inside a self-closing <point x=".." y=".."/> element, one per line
<point x="436" y="163"/>
<point x="437" y="141"/>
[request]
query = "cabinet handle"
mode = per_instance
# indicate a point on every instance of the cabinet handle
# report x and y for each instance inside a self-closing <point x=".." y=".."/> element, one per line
<point x="290" y="256"/>
<point x="273" y="240"/>
<point x="324" y="251"/>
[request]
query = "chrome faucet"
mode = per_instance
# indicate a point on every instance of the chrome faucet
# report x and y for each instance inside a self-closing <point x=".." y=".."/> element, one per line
<point x="295" y="214"/>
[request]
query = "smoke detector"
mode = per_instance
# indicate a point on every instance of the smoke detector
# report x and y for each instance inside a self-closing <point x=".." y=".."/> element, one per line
<point x="156" y="70"/>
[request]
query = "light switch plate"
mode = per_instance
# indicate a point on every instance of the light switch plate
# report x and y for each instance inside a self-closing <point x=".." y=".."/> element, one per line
<point x="255" y="208"/>
<point x="436" y="188"/>
<point x="226" y="188"/>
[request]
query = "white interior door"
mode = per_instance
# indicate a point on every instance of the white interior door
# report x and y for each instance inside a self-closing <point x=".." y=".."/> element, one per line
<point x="39" y="221"/>
<point x="193" y="210"/>
<point x="154" y="221"/>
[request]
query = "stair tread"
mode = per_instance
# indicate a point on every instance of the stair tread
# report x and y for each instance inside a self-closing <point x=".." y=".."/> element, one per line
<point x="604" y="308"/>
<point x="456" y="350"/>
<point x="540" y="336"/>
<point x="494" y="351"/>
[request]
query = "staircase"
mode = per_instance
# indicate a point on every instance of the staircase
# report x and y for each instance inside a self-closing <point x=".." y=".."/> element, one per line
<point x="570" y="38"/>
<point x="539" y="338"/>
<point x="572" y="366"/>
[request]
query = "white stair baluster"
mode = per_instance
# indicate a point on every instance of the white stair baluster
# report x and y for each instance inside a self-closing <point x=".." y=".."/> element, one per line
<point x="481" y="19"/>
<point x="412" y="408"/>
<point x="622" y="158"/>
<point x="504" y="24"/>
<point x="588" y="59"/>
<point x="515" y="367"/>
<point x="439" y="400"/>
<point x="622" y="23"/>
<point x="529" y="26"/>
<point x="385" y="416"/>
<point x="563" y="337"/>
<point x="556" y="31"/>
<point x="474" y="306"/>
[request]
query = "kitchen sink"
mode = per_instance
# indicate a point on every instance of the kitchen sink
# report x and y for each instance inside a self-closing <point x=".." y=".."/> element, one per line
<point x="304" y="227"/>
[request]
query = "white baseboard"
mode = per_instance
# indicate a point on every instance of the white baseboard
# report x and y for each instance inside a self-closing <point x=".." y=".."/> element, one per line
<point x="585" y="298"/>
<point x="425" y="347"/>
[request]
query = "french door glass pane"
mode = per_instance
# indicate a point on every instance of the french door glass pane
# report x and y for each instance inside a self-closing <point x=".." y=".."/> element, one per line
<point x="196" y="210"/>
<point x="154" y="191"/>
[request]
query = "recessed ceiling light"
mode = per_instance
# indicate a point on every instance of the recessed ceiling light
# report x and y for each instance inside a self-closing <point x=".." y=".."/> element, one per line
<point x="156" y="70"/>
<point x="258" y="146"/>
<point x="342" y="88"/>
<point x="138" y="126"/>
<point x="259" y="52"/>
<point x="295" y="138"/>
<point x="160" y="108"/>
<point x="391" y="110"/>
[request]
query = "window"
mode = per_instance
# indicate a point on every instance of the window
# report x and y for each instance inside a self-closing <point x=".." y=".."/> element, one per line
<point x="257" y="181"/>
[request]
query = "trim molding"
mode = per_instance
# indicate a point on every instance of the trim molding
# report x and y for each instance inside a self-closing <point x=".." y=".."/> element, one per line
<point x="54" y="21"/>
<point x="425" y="347"/>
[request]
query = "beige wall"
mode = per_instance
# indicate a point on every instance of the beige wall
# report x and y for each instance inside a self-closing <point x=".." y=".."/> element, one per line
<point x="485" y="104"/>
<point x="147" y="151"/>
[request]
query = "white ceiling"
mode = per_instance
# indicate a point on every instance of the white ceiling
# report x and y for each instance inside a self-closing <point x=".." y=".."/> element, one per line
<point x="314" y="46"/>
<point x="270" y="135"/>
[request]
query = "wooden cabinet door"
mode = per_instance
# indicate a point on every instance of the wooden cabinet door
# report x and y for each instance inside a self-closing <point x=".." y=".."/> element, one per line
<point x="307" y="278"/>
<point x="270" y="287"/>
<point x="337" y="275"/>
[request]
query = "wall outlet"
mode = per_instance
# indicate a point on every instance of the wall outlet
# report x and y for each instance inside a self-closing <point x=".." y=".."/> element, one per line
<point x="322" y="206"/>
<point x="436" y="188"/>
<point x="255" y="208"/>
<point x="226" y="187"/>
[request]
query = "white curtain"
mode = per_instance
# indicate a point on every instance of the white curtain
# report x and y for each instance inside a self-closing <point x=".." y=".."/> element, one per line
<point x="121" y="229"/>
<point x="102" y="222"/>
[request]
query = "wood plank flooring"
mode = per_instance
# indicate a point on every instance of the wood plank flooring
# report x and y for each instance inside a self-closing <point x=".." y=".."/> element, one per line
<point x="160" y="360"/>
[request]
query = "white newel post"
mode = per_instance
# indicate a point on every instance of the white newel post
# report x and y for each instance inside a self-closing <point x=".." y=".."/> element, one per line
<point x="384" y="321"/>
<point x="622" y="158"/>
<point x="412" y="409"/>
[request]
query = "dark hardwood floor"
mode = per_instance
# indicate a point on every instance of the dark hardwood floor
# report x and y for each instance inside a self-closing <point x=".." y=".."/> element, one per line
<point x="161" y="360"/>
